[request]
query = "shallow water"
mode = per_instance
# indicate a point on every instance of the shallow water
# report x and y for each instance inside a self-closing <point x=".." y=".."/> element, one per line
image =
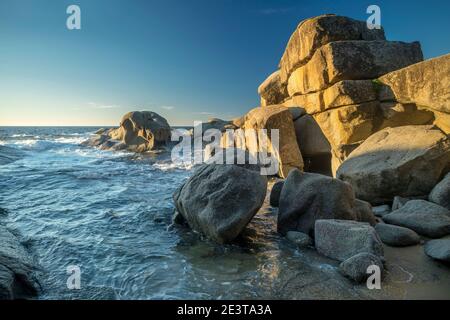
<point x="109" y="213"/>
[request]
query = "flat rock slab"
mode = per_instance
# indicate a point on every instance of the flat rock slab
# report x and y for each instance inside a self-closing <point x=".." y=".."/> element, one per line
<point x="396" y="236"/>
<point x="425" y="83"/>
<point x="351" y="60"/>
<point x="438" y="249"/>
<point x="342" y="239"/>
<point x="425" y="218"/>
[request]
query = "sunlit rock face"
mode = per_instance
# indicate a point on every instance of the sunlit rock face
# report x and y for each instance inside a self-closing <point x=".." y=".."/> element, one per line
<point x="403" y="161"/>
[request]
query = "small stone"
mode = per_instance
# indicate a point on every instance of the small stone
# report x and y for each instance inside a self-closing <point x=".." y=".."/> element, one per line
<point x="299" y="238"/>
<point x="381" y="211"/>
<point x="356" y="267"/>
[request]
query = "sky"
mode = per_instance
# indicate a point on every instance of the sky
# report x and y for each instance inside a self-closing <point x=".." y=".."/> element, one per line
<point x="186" y="60"/>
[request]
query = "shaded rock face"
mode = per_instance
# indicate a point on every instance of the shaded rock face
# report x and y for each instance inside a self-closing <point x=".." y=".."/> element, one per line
<point x="441" y="193"/>
<point x="299" y="238"/>
<point x="275" y="193"/>
<point x="438" y="249"/>
<point x="364" y="212"/>
<point x="270" y="117"/>
<point x="311" y="140"/>
<point x="423" y="217"/>
<point x="356" y="267"/>
<point x="351" y="60"/>
<point x="426" y="83"/>
<point x="220" y="200"/>
<point x="139" y="131"/>
<point x="272" y="91"/>
<point x="342" y="239"/>
<point x="404" y="161"/>
<point x="315" y="32"/>
<point x="307" y="197"/>
<point x="17" y="278"/>
<point x="396" y="236"/>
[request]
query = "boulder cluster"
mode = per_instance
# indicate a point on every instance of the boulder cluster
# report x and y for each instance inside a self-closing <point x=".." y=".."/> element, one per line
<point x="364" y="150"/>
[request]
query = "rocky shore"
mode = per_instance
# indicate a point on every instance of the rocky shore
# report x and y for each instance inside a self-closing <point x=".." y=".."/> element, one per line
<point x="367" y="111"/>
<point x="364" y="166"/>
<point x="364" y="149"/>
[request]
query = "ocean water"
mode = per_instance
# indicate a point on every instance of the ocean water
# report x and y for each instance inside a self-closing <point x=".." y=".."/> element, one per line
<point x="109" y="213"/>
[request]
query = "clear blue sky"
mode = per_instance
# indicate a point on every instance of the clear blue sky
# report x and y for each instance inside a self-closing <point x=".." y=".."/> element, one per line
<point x="186" y="60"/>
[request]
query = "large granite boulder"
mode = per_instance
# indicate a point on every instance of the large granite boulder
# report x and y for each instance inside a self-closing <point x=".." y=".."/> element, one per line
<point x="343" y="239"/>
<point x="352" y="60"/>
<point x="220" y="200"/>
<point x="404" y="161"/>
<point x="441" y="193"/>
<point x="272" y="91"/>
<point x="307" y="197"/>
<point x="139" y="131"/>
<point x="425" y="83"/>
<point x="315" y="32"/>
<point x="17" y="269"/>
<point x="425" y="218"/>
<point x="275" y="117"/>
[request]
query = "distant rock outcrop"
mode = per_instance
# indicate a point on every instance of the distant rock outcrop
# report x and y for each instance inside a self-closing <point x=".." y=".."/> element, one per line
<point x="139" y="131"/>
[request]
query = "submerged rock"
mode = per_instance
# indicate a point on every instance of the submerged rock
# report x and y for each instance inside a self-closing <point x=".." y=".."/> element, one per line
<point x="402" y="161"/>
<point x="342" y="239"/>
<point x="356" y="267"/>
<point x="396" y="236"/>
<point x="17" y="277"/>
<point x="423" y="217"/>
<point x="220" y="200"/>
<point x="438" y="249"/>
<point x="307" y="197"/>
